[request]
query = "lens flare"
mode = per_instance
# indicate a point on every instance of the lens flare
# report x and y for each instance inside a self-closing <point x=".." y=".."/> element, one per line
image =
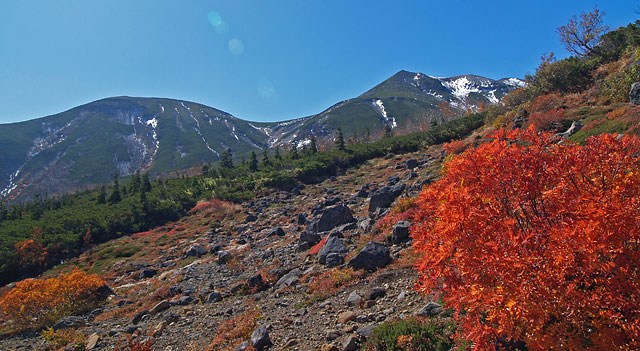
<point x="235" y="46"/>
<point x="216" y="21"/>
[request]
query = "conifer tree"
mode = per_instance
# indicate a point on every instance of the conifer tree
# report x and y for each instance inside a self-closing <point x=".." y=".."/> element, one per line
<point x="136" y="182"/>
<point x="102" y="195"/>
<point x="253" y="162"/>
<point x="313" y="147"/>
<point x="277" y="155"/>
<point x="294" y="150"/>
<point x="146" y="184"/>
<point x="115" y="193"/>
<point x="387" y="132"/>
<point x="265" y="157"/>
<point x="340" y="140"/>
<point x="226" y="161"/>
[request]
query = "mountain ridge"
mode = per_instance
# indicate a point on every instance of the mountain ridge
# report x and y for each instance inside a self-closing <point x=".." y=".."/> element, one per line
<point x="85" y="145"/>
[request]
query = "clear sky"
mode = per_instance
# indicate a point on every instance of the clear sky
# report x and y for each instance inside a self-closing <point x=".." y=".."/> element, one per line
<point x="263" y="60"/>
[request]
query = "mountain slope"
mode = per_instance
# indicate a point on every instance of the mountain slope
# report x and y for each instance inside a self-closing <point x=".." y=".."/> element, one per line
<point x="406" y="101"/>
<point x="87" y="144"/>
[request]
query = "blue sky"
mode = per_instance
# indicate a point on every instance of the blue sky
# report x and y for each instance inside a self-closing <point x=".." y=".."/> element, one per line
<point x="263" y="60"/>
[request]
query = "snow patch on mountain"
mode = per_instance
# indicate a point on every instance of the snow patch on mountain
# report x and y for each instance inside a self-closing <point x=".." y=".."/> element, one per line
<point x="515" y="82"/>
<point x="391" y="121"/>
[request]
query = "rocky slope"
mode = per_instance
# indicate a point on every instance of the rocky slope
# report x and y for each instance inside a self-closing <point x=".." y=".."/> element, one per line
<point x="228" y="262"/>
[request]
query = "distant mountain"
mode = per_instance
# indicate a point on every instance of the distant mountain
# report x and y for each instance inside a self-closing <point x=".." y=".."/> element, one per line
<point x="406" y="101"/>
<point x="86" y="145"/>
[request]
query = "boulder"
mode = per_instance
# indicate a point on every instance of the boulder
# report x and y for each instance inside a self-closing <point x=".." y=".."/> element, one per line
<point x="277" y="231"/>
<point x="375" y="293"/>
<point x="260" y="338"/>
<point x="224" y="257"/>
<point x="214" y="297"/>
<point x="138" y="317"/>
<point x="307" y="240"/>
<point x="256" y="281"/>
<point x="147" y="273"/>
<point x="385" y="196"/>
<point x="332" y="217"/>
<point x="411" y="163"/>
<point x="160" y="306"/>
<point x="333" y="245"/>
<point x="92" y="341"/>
<point x="373" y="256"/>
<point x="196" y="250"/>
<point x="353" y="299"/>
<point x="288" y="279"/>
<point x="366" y="331"/>
<point x="432" y="309"/>
<point x="401" y="232"/>
<point x="334" y="259"/>
<point x="351" y="344"/>
<point x="70" y="322"/>
<point x="634" y="93"/>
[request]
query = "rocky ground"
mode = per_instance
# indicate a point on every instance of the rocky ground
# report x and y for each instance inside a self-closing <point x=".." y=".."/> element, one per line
<point x="177" y="284"/>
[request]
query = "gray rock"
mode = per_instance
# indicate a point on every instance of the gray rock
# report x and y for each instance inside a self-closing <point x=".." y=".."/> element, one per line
<point x="332" y="335"/>
<point x="411" y="163"/>
<point x="365" y="225"/>
<point x="70" y="322"/>
<point x="160" y="306"/>
<point x="385" y="196"/>
<point x="351" y="344"/>
<point x="401" y="232"/>
<point x="307" y="240"/>
<point x="92" y="341"/>
<point x="332" y="245"/>
<point x="260" y="338"/>
<point x="182" y="300"/>
<point x="214" y="297"/>
<point x="575" y="127"/>
<point x="170" y="317"/>
<point x="373" y="256"/>
<point x="634" y="93"/>
<point x="277" y="231"/>
<point x="196" y="250"/>
<point x="288" y="279"/>
<point x="366" y="331"/>
<point x="224" y="257"/>
<point x="332" y="217"/>
<point x="375" y="293"/>
<point x="138" y="317"/>
<point x="353" y="299"/>
<point x="334" y="259"/>
<point x="432" y="309"/>
<point x="147" y="273"/>
<point x="251" y="218"/>
<point x="257" y="282"/>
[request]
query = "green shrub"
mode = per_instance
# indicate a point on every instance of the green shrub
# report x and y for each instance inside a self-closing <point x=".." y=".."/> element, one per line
<point x="616" y="87"/>
<point x="413" y="334"/>
<point x="570" y="75"/>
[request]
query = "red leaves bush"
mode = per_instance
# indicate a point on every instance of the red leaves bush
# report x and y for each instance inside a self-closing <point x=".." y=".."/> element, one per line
<point x="537" y="241"/>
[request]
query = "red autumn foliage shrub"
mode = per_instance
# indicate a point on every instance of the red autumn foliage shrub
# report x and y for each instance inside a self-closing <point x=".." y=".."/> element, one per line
<point x="546" y="102"/>
<point x="316" y="248"/>
<point x="31" y="254"/>
<point x="232" y="332"/>
<point x="546" y="119"/>
<point x="454" y="147"/>
<point x="34" y="303"/>
<point x="537" y="241"/>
